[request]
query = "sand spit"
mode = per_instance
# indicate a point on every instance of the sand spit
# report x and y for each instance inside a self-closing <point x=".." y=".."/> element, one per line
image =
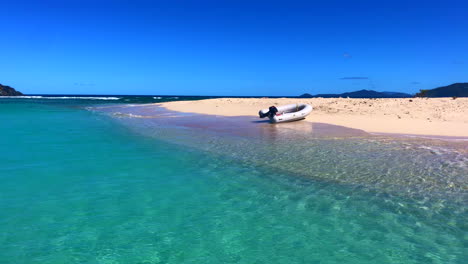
<point x="418" y="116"/>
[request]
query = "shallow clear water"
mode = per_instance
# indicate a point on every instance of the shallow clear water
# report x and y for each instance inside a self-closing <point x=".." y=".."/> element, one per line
<point x="79" y="186"/>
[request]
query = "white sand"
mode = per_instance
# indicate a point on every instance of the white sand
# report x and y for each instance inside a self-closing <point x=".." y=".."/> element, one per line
<point x="420" y="116"/>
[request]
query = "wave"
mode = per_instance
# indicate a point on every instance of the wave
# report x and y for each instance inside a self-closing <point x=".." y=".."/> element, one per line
<point x="159" y="97"/>
<point x="121" y="115"/>
<point x="62" y="97"/>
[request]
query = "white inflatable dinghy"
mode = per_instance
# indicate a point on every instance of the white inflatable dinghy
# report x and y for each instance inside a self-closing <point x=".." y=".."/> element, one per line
<point x="286" y="113"/>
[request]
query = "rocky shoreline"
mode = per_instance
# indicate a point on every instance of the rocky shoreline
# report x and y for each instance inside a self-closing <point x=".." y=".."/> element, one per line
<point x="8" y="91"/>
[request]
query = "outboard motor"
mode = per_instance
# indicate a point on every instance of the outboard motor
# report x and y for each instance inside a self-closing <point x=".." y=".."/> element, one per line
<point x="271" y="112"/>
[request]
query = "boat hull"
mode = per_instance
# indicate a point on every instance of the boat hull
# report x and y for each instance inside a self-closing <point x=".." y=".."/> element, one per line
<point x="288" y="113"/>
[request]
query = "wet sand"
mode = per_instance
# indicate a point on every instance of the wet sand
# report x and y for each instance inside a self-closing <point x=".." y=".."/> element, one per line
<point x="247" y="126"/>
<point x="386" y="163"/>
<point x="413" y="116"/>
<point x="157" y="116"/>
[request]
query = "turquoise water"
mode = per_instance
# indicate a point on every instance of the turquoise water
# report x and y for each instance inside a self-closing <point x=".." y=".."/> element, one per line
<point x="78" y="186"/>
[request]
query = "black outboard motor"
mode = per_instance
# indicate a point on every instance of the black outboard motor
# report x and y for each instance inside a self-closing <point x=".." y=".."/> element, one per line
<point x="272" y="112"/>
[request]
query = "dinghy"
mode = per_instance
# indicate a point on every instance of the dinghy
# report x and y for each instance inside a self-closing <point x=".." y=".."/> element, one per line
<point x="286" y="113"/>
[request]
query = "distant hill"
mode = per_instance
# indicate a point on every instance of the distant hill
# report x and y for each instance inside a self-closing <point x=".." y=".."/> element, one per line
<point x="456" y="89"/>
<point x="8" y="91"/>
<point x="361" y="94"/>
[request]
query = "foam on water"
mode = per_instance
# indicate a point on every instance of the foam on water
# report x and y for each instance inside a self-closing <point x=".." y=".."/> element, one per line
<point x="61" y="97"/>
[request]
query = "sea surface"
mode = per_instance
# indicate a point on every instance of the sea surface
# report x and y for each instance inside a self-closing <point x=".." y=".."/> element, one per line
<point x="106" y="180"/>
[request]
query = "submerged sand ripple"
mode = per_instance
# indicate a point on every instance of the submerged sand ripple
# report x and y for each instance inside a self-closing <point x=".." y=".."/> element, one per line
<point x="431" y="171"/>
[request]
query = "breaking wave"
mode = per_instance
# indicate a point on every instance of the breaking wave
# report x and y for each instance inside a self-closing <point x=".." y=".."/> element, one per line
<point x="62" y="97"/>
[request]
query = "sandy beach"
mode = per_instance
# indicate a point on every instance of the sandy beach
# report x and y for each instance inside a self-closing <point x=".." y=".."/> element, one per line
<point x="418" y="116"/>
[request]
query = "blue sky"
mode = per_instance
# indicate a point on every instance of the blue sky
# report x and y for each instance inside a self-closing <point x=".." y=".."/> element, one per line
<point x="232" y="47"/>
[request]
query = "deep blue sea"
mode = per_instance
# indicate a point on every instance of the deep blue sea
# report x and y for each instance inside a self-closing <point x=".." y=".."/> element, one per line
<point x="108" y="180"/>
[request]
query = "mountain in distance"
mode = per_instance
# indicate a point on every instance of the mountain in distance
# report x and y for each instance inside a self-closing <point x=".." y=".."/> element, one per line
<point x="8" y="91"/>
<point x="453" y="90"/>
<point x="361" y="94"/>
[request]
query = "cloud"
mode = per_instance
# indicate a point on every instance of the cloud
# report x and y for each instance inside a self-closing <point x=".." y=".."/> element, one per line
<point x="415" y="83"/>
<point x="346" y="55"/>
<point x="354" y="78"/>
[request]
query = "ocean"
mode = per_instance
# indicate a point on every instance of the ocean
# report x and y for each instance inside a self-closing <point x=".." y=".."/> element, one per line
<point x="110" y="179"/>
